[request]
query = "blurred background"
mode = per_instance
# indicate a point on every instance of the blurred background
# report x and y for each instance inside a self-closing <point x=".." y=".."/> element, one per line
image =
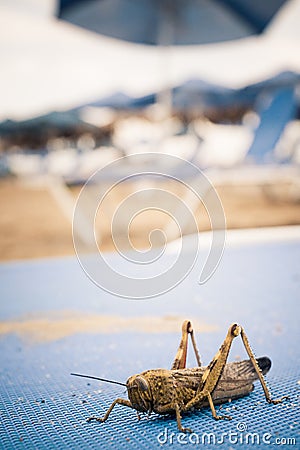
<point x="85" y="82"/>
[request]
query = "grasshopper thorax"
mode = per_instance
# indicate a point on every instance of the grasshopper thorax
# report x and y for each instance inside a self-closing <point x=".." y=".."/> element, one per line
<point x="139" y="393"/>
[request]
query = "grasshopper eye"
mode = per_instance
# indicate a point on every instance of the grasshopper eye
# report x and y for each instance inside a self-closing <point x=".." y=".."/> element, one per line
<point x="142" y="383"/>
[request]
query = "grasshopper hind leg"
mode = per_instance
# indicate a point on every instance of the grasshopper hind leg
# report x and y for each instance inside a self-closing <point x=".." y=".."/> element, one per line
<point x="180" y="358"/>
<point x="259" y="371"/>
<point x="214" y="370"/>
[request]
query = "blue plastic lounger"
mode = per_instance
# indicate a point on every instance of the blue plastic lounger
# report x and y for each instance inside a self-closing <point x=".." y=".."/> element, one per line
<point x="54" y="321"/>
<point x="275" y="113"/>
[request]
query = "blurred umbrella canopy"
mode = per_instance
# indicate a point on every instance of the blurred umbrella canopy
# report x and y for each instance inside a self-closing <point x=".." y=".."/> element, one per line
<point x="176" y="22"/>
<point x="49" y="64"/>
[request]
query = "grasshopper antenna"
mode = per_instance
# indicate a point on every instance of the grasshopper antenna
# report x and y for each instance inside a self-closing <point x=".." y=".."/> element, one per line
<point x="97" y="378"/>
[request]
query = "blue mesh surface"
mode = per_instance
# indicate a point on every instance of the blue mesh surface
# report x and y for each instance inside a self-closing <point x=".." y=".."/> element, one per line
<point x="42" y="406"/>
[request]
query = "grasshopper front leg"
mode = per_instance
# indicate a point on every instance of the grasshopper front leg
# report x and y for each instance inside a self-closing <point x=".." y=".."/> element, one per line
<point x="180" y="358"/>
<point x="119" y="401"/>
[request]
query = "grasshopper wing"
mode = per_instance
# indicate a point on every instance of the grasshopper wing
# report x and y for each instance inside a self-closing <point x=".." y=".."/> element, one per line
<point x="237" y="379"/>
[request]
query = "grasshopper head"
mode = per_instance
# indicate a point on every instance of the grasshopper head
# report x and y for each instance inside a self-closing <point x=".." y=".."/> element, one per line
<point x="139" y="393"/>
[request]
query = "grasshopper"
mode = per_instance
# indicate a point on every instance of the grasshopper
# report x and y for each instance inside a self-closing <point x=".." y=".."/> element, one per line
<point x="180" y="389"/>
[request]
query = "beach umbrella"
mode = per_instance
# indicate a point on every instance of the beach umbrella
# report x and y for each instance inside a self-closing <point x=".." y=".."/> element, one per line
<point x="171" y="22"/>
<point x="56" y="65"/>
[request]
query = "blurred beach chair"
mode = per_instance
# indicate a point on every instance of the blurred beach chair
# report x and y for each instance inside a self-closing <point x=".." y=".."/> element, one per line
<point x="257" y="163"/>
<point x="260" y="164"/>
<point x="275" y="112"/>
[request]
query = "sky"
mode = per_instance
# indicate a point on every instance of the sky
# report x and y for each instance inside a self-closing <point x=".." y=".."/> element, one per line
<point x="40" y="8"/>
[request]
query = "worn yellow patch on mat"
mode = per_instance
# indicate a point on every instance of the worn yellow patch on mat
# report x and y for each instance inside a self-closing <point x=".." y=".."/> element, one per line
<point x="59" y="325"/>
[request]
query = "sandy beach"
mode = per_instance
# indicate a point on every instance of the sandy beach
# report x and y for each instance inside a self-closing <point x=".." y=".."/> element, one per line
<point x="32" y="225"/>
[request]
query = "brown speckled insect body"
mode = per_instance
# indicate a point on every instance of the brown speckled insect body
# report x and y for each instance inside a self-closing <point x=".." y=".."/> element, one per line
<point x="180" y="389"/>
